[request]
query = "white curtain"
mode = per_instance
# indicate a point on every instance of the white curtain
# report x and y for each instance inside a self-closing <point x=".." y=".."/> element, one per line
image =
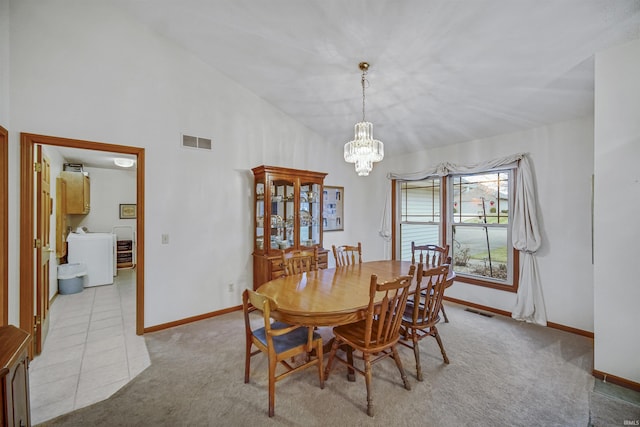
<point x="385" y="222"/>
<point x="385" y="225"/>
<point x="526" y="238"/>
<point x="525" y="233"/>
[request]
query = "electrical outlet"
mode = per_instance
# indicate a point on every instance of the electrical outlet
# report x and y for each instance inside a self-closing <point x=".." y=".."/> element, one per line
<point x="231" y="287"/>
<point x="165" y="239"/>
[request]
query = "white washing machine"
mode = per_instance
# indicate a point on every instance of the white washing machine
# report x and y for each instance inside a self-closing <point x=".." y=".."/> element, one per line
<point x="95" y="250"/>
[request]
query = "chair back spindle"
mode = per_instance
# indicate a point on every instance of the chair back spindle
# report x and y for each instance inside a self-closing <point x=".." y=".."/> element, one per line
<point x="430" y="255"/>
<point x="298" y="262"/>
<point x="388" y="313"/>
<point x="429" y="292"/>
<point x="347" y="254"/>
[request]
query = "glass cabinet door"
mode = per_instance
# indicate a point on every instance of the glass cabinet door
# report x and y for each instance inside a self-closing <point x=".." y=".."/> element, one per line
<point x="310" y="214"/>
<point x="259" y="216"/>
<point x="282" y="214"/>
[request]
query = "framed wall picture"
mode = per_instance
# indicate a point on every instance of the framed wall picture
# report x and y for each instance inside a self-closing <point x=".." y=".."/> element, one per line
<point x="128" y="211"/>
<point x="333" y="208"/>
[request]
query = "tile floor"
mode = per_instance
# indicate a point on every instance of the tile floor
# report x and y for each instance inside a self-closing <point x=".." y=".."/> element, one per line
<point x="91" y="350"/>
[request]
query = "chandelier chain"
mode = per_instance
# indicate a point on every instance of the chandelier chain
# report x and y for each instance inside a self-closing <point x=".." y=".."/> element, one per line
<point x="364" y="79"/>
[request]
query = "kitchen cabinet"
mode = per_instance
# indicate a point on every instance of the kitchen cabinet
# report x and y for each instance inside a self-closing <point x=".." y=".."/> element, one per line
<point x="287" y="216"/>
<point x="14" y="377"/>
<point x="77" y="192"/>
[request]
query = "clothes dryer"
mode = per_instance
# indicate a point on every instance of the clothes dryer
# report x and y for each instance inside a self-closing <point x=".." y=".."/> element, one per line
<point x="95" y="250"/>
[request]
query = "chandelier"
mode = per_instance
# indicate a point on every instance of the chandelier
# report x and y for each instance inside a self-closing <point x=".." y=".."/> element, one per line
<point x="363" y="150"/>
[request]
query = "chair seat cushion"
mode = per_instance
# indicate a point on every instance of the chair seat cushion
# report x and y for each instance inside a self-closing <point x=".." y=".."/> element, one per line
<point x="285" y="342"/>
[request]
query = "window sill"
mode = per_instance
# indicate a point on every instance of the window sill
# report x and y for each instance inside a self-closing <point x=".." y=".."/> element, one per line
<point x="508" y="287"/>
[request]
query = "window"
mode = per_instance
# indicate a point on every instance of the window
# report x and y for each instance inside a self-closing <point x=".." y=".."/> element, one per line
<point x="480" y="227"/>
<point x="469" y="212"/>
<point x="419" y="214"/>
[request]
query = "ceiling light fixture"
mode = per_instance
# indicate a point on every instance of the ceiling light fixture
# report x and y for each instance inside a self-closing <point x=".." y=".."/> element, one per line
<point x="363" y="150"/>
<point x="123" y="163"/>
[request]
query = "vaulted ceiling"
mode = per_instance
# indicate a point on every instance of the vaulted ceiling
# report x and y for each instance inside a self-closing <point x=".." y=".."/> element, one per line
<point x="442" y="71"/>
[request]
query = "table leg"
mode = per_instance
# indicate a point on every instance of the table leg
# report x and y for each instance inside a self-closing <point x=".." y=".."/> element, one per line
<point x="351" y="374"/>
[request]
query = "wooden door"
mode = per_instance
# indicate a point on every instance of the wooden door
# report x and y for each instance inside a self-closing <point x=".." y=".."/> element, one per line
<point x="43" y="248"/>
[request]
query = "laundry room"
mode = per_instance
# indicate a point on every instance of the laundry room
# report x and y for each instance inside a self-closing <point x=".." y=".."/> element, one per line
<point x="93" y="217"/>
<point x="85" y="212"/>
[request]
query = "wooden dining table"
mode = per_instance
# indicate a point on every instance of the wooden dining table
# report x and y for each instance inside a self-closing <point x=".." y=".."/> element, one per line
<point x="329" y="297"/>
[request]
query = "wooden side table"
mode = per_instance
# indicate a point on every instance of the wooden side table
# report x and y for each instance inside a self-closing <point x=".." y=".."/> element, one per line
<point x="14" y="377"/>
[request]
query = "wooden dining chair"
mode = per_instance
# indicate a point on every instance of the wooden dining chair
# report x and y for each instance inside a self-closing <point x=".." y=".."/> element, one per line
<point x="431" y="256"/>
<point x="279" y="341"/>
<point x="347" y="255"/>
<point x="297" y="262"/>
<point x="422" y="311"/>
<point x="376" y="336"/>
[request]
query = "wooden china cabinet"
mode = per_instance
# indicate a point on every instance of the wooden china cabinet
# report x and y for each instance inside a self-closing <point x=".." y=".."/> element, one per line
<point x="287" y="216"/>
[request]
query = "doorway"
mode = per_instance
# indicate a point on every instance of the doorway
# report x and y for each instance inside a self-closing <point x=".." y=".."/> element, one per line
<point x="28" y="291"/>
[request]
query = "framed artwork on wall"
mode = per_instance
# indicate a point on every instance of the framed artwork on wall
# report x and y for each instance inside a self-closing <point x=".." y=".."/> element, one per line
<point x="128" y="211"/>
<point x="333" y="208"/>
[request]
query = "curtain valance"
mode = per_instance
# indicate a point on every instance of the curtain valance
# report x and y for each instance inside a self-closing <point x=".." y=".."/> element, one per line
<point x="446" y="168"/>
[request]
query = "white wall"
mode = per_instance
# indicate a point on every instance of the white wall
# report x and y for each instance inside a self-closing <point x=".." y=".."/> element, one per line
<point x="83" y="69"/>
<point x="108" y="189"/>
<point x="363" y="205"/>
<point x="562" y="161"/>
<point x="617" y="203"/>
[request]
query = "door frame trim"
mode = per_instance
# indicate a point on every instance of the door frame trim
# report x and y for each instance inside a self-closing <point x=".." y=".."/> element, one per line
<point x="4" y="227"/>
<point x="28" y="142"/>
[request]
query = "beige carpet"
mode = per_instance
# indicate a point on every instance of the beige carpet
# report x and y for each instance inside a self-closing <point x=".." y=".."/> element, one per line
<point x="502" y="373"/>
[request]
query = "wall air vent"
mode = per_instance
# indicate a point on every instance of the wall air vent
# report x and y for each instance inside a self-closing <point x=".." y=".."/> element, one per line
<point x="196" y="142"/>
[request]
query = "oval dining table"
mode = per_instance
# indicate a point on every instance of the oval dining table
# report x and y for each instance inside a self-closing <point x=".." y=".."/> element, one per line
<point x="332" y="296"/>
<point x="329" y="297"/>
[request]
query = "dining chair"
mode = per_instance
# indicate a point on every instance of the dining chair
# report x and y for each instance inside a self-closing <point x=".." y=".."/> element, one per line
<point x="432" y="255"/>
<point x="421" y="313"/>
<point x="297" y="262"/>
<point x="346" y="254"/>
<point x="376" y="336"/>
<point x="279" y="341"/>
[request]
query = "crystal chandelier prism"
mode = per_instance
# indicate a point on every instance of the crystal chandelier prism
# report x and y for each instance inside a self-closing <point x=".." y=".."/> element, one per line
<point x="363" y="150"/>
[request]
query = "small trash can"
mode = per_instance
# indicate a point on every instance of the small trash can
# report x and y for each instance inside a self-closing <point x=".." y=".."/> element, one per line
<point x="70" y="278"/>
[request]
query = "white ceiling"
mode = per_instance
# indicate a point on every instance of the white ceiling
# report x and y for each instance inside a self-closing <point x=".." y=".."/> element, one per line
<point x="442" y="71"/>
<point x="92" y="158"/>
